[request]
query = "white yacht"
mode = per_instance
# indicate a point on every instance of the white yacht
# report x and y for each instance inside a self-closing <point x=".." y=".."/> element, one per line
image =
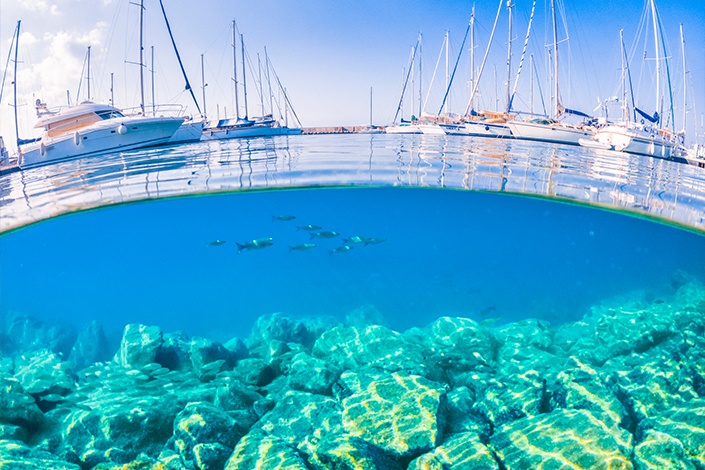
<point x="640" y="139"/>
<point x="237" y="128"/>
<point x="92" y="129"/>
<point x="550" y="130"/>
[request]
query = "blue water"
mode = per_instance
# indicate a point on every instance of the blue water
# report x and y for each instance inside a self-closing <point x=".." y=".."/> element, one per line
<point x="448" y="252"/>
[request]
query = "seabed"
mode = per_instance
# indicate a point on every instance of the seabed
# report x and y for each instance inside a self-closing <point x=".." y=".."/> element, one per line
<point x="624" y="388"/>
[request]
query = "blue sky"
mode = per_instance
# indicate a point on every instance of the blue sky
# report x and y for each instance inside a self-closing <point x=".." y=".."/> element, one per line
<point x="329" y="54"/>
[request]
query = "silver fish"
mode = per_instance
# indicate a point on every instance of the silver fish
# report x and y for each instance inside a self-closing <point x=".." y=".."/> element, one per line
<point x="357" y="240"/>
<point x="216" y="243"/>
<point x="341" y="249"/>
<point x="283" y="218"/>
<point x="257" y="244"/>
<point x="375" y="241"/>
<point x="324" y="235"/>
<point x="302" y="247"/>
<point x="308" y="228"/>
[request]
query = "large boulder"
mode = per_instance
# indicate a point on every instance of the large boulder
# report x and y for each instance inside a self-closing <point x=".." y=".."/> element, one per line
<point x="91" y="346"/>
<point x="139" y="347"/>
<point x="402" y="415"/>
<point x="460" y="452"/>
<point x="27" y="334"/>
<point x="260" y="451"/>
<point x="563" y="439"/>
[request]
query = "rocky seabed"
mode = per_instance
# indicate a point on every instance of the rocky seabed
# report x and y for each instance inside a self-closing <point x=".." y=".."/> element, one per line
<point x="622" y="389"/>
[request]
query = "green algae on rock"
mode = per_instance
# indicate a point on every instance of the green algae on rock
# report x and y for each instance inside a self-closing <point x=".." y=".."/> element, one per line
<point x="265" y="452"/>
<point x="462" y="451"/>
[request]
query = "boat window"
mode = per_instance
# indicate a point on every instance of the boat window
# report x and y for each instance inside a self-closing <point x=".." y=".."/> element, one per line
<point x="109" y="114"/>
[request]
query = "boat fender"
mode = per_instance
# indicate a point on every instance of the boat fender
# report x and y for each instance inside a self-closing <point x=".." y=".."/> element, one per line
<point x="122" y="130"/>
<point x="76" y="138"/>
<point x="42" y="149"/>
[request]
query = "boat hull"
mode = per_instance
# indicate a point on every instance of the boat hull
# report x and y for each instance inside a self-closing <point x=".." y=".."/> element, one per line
<point x="480" y="129"/>
<point x="555" y="133"/>
<point x="189" y="131"/>
<point x="247" y="131"/>
<point x="638" y="141"/>
<point x="100" y="138"/>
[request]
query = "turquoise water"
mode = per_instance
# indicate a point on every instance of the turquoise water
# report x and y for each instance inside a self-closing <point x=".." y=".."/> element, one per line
<point x="468" y="303"/>
<point x="455" y="253"/>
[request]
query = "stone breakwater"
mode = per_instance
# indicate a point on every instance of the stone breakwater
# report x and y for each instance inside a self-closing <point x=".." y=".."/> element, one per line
<point x="622" y="389"/>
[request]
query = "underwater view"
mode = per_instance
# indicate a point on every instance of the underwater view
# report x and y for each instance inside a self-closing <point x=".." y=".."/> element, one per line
<point x="353" y="302"/>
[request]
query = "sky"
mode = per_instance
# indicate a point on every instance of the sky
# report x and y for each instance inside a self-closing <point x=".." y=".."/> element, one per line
<point x="335" y="59"/>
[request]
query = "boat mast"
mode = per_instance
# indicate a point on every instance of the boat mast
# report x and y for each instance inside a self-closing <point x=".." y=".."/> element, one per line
<point x="531" y="85"/>
<point x="112" y="97"/>
<point x="509" y="53"/>
<point x="685" y="94"/>
<point x="14" y="83"/>
<point x="447" y="76"/>
<point x="154" y="111"/>
<point x="625" y="113"/>
<point x="472" y="52"/>
<point x="244" y="75"/>
<point x="658" y="60"/>
<point x="420" y="73"/>
<point x="413" y="70"/>
<point x="269" y="82"/>
<point x="370" y="106"/>
<point x="88" y="76"/>
<point x="555" y="57"/>
<point x="203" y="86"/>
<point x="237" y="105"/>
<point x="141" y="61"/>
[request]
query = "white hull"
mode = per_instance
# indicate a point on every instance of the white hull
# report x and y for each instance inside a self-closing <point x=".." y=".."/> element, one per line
<point x="556" y="133"/>
<point x="247" y="131"/>
<point x="189" y="131"/>
<point x="637" y="140"/>
<point x="431" y="129"/>
<point x="406" y="129"/>
<point x="100" y="138"/>
<point x="481" y="129"/>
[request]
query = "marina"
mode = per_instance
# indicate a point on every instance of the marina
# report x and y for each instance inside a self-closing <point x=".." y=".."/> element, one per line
<point x="377" y="255"/>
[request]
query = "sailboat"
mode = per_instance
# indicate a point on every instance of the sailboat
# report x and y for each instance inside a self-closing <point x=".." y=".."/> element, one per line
<point x="411" y="126"/>
<point x="89" y="129"/>
<point x="643" y="137"/>
<point x="551" y="130"/>
<point x="238" y="127"/>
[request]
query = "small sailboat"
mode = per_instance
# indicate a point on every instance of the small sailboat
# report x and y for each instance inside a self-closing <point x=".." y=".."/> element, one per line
<point x="238" y="127"/>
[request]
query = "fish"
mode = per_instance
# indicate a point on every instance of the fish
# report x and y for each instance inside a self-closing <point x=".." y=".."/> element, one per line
<point x="341" y="249"/>
<point x="489" y="321"/>
<point x="376" y="241"/>
<point x="257" y="244"/>
<point x="283" y="218"/>
<point x="324" y="235"/>
<point x="364" y="240"/>
<point x="302" y="247"/>
<point x="308" y="228"/>
<point x="216" y="243"/>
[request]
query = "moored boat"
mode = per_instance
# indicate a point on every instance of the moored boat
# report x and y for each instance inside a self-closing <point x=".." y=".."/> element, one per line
<point x="92" y="129"/>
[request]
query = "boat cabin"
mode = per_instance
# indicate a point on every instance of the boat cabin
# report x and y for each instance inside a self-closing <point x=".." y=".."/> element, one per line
<point x="76" y="118"/>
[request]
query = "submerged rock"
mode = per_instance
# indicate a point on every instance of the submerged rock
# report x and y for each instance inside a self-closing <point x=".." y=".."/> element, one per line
<point x="374" y="346"/>
<point x="308" y="374"/>
<point x="18" y="408"/>
<point x="346" y="453"/>
<point x="90" y="347"/>
<point x="139" y="347"/>
<point x="460" y="452"/>
<point x="205" y="436"/>
<point x="265" y="452"/>
<point x="209" y="357"/>
<point x="659" y="450"/>
<point x="173" y="353"/>
<point x="403" y="415"/>
<point x="299" y="414"/>
<point x="278" y="326"/>
<point x="365" y="316"/>
<point x="26" y="333"/>
<point x="563" y="439"/>
<point x="15" y="455"/>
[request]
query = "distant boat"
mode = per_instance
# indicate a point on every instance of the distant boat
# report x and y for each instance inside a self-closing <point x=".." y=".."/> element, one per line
<point x="92" y="129"/>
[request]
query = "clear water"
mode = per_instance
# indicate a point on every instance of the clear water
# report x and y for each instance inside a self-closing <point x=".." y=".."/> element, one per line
<point x="458" y="253"/>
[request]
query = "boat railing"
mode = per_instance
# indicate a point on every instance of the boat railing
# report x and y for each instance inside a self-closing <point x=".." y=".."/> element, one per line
<point x="160" y="110"/>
